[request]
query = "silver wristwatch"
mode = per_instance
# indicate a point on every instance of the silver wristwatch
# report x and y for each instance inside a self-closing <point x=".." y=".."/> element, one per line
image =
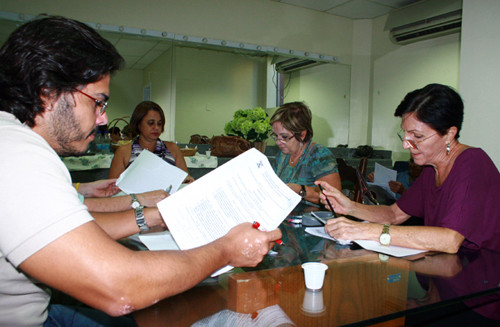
<point x="139" y="214"/>
<point x="140" y="219"/>
<point x="135" y="202"/>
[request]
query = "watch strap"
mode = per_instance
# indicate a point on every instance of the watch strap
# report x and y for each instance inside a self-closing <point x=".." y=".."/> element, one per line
<point x="140" y="219"/>
<point x="302" y="191"/>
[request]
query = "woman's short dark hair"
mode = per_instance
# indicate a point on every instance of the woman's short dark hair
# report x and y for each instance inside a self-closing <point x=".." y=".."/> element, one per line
<point x="51" y="55"/>
<point x="140" y="111"/>
<point x="437" y="105"/>
<point x="295" y="117"/>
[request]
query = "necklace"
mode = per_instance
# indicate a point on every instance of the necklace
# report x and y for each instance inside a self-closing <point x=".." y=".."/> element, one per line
<point x="151" y="148"/>
<point x="292" y="160"/>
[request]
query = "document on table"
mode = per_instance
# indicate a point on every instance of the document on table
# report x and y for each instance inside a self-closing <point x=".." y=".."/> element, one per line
<point x="320" y="232"/>
<point x="245" y="189"/>
<point x="150" y="173"/>
<point x="382" y="176"/>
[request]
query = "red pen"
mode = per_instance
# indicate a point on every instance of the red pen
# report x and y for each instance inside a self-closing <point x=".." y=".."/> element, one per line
<point x="256" y="225"/>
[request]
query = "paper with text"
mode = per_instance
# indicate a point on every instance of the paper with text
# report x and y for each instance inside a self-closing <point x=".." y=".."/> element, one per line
<point x="150" y="173"/>
<point x="245" y="189"/>
<point x="382" y="176"/>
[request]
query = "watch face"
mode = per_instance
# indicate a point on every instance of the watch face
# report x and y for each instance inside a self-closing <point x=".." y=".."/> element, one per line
<point x="135" y="204"/>
<point x="385" y="239"/>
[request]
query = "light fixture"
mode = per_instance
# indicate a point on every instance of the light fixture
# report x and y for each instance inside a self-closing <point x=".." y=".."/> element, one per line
<point x="19" y="17"/>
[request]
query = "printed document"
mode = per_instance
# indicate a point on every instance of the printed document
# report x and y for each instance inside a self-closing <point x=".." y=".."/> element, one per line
<point x="150" y="173"/>
<point x="245" y="189"/>
<point x="382" y="176"/>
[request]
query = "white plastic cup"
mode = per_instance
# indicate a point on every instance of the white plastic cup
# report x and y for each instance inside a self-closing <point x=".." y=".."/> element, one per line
<point x="313" y="302"/>
<point x="207" y="153"/>
<point x="314" y="275"/>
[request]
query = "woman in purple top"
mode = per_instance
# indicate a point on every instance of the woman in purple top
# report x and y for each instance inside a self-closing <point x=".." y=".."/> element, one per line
<point x="457" y="193"/>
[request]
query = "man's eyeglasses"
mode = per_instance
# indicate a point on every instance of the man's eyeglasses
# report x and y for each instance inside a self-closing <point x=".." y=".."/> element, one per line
<point x="282" y="139"/>
<point x="412" y="143"/>
<point x="100" y="104"/>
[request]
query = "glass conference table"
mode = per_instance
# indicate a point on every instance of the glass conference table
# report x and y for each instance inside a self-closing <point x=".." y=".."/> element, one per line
<point x="361" y="288"/>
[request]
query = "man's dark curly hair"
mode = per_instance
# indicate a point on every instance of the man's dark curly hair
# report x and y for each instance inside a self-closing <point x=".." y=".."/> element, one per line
<point x="49" y="56"/>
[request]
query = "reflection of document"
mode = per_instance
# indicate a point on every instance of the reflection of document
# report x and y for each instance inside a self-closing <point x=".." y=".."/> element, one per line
<point x="396" y="251"/>
<point x="150" y="173"/>
<point x="382" y="176"/>
<point x="245" y="189"/>
<point x="270" y="316"/>
<point x="393" y="250"/>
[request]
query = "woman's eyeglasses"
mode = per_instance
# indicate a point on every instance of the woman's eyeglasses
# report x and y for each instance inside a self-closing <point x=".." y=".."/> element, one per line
<point x="412" y="143"/>
<point x="281" y="138"/>
<point x="100" y="104"/>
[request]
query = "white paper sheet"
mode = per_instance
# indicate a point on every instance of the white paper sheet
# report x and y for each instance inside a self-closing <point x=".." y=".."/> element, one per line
<point x="320" y="232"/>
<point x="150" y="173"/>
<point x="245" y="189"/>
<point x="158" y="241"/>
<point x="382" y="176"/>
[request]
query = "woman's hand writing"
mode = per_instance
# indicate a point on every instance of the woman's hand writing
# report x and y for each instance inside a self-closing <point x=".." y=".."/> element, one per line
<point x="340" y="203"/>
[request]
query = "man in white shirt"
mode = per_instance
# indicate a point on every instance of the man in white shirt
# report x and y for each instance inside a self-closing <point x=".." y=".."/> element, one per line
<point x="54" y="84"/>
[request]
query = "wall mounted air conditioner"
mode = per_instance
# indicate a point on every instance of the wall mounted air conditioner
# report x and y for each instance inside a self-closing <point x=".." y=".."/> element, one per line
<point x="424" y="20"/>
<point x="289" y="65"/>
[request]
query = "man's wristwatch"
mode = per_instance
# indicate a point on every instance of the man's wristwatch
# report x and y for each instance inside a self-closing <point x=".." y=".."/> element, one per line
<point x="135" y="203"/>
<point x="385" y="237"/>
<point x="140" y="219"/>
<point x="302" y="191"/>
<point x="139" y="214"/>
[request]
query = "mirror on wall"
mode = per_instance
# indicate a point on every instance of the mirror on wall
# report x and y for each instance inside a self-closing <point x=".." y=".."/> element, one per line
<point x="200" y="86"/>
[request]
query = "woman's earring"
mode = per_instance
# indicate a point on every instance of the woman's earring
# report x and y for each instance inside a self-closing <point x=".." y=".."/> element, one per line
<point x="448" y="148"/>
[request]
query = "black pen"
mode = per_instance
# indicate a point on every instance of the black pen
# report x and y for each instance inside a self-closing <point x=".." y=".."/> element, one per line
<point x="328" y="201"/>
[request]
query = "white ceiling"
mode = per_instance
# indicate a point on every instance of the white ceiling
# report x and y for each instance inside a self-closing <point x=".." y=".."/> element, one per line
<point x="140" y="51"/>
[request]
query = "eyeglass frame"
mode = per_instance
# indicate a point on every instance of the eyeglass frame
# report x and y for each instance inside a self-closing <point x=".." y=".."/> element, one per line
<point x="412" y="143"/>
<point x="103" y="105"/>
<point x="277" y="138"/>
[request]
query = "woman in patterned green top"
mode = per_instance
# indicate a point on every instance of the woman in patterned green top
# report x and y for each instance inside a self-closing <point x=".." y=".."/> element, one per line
<point x="300" y="161"/>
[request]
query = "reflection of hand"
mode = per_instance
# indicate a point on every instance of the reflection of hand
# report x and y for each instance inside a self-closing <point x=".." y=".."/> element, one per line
<point x="440" y="265"/>
<point x="99" y="189"/>
<point x="340" y="203"/>
<point x="371" y="177"/>
<point x="150" y="199"/>
<point x="432" y="296"/>
<point x="246" y="246"/>
<point x="331" y="252"/>
<point x="396" y="187"/>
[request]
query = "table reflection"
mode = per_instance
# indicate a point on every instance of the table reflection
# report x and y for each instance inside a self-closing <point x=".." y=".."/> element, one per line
<point x="360" y="288"/>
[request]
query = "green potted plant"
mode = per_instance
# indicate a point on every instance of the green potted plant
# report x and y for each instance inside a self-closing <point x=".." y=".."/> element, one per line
<point x="250" y="124"/>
